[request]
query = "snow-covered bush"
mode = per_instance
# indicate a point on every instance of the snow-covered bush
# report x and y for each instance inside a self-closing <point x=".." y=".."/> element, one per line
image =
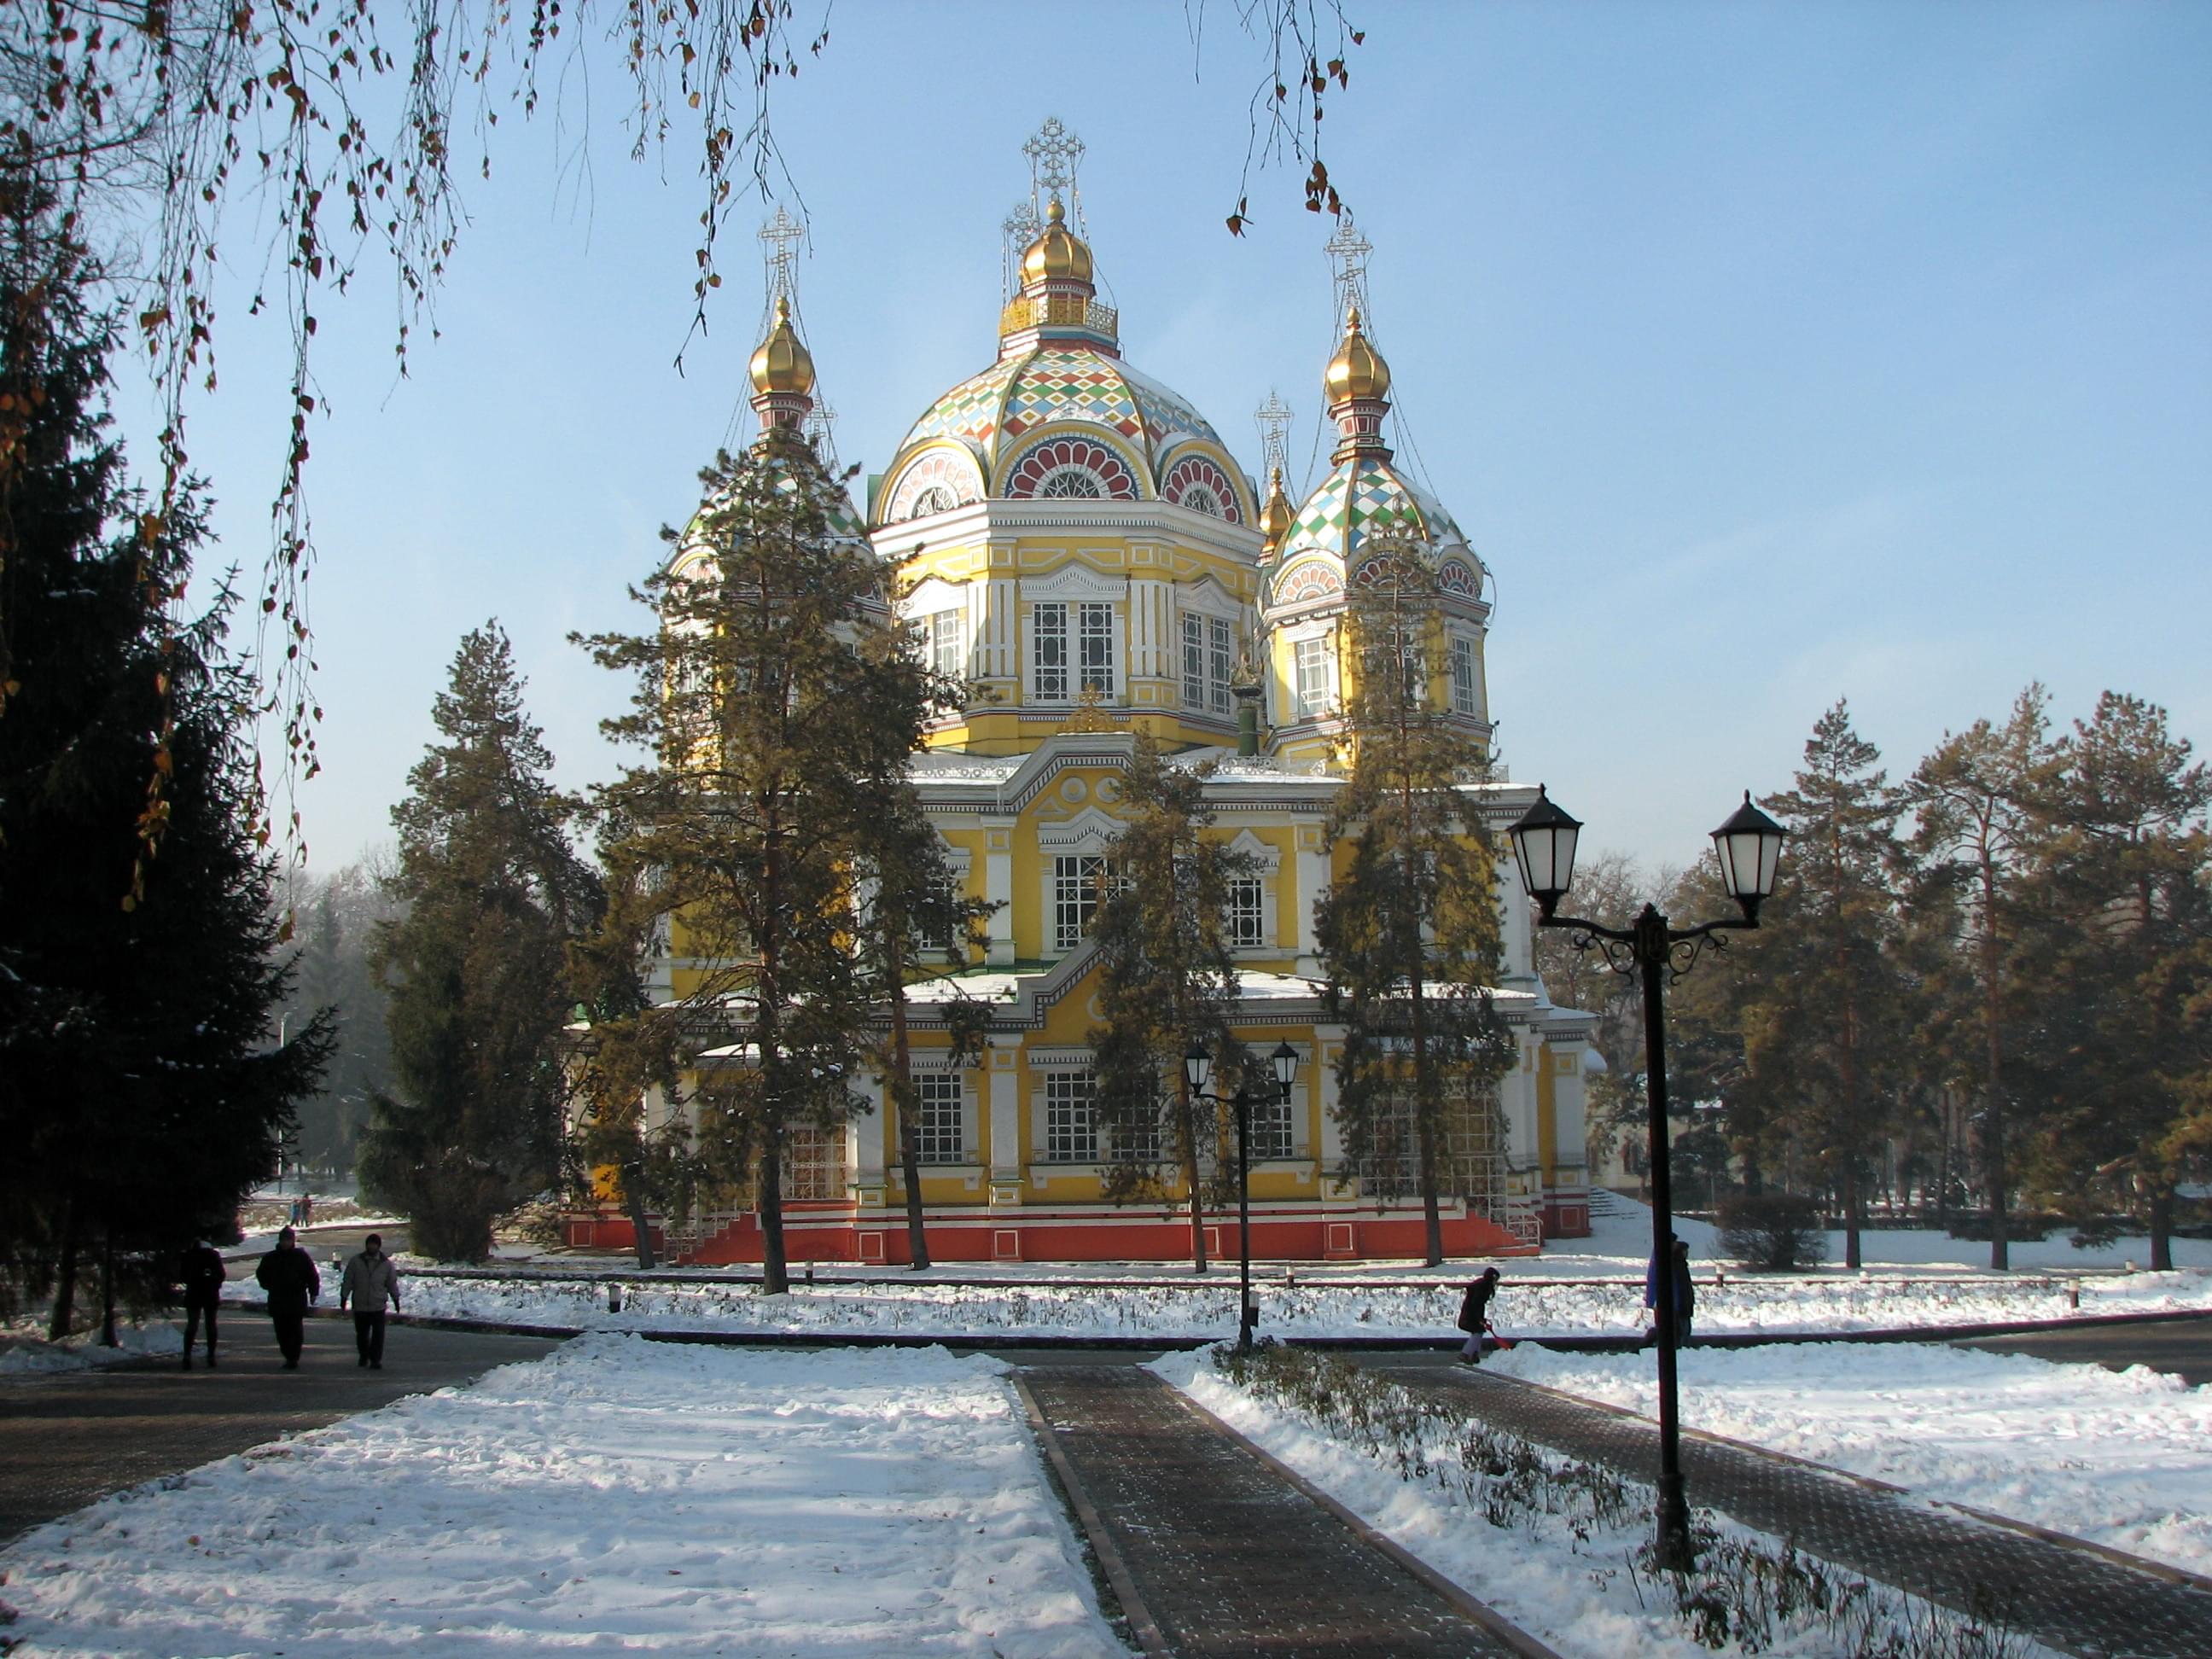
<point x="1774" y="1232"/>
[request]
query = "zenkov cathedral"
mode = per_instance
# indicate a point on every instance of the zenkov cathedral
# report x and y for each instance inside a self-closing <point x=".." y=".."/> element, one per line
<point x="1087" y="555"/>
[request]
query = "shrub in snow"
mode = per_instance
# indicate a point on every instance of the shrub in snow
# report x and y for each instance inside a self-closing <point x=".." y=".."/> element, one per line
<point x="1772" y="1231"/>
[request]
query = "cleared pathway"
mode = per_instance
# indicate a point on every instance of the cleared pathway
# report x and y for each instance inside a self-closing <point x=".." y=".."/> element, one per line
<point x="1213" y="1547"/>
<point x="2065" y="1594"/>
<point x="74" y="1436"/>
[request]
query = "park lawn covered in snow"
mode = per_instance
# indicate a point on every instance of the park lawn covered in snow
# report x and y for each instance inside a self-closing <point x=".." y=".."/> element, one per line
<point x="2123" y="1459"/>
<point x="618" y="1494"/>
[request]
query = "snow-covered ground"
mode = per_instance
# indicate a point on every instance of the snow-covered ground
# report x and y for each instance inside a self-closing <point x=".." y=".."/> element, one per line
<point x="2123" y="1459"/>
<point x="1579" y="1597"/>
<point x="24" y="1350"/>
<point x="618" y="1495"/>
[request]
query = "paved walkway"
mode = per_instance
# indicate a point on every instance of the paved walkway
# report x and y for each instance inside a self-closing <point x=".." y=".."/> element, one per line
<point x="1213" y="1547"/>
<point x="70" y="1438"/>
<point x="2072" y="1597"/>
<point x="2180" y="1347"/>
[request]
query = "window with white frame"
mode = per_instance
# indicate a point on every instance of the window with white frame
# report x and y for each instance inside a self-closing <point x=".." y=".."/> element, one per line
<point x="1271" y="1135"/>
<point x="1244" y="918"/>
<point x="814" y="1163"/>
<point x="1209" y="657"/>
<point x="940" y="1123"/>
<point x="1078" y="880"/>
<point x="943" y="635"/>
<point x="1138" y="1142"/>
<point x="1071" y="1118"/>
<point x="1060" y="667"/>
<point x="1314" y="682"/>
<point x="1466" y="684"/>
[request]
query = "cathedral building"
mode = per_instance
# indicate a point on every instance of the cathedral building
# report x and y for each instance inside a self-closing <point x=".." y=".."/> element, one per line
<point x="1083" y="550"/>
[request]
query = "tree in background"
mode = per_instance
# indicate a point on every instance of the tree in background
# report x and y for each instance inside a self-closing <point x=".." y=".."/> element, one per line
<point x="1409" y="935"/>
<point x="334" y="919"/>
<point x="1824" y="1006"/>
<point x="476" y="967"/>
<point x="757" y="700"/>
<point x="1167" y="979"/>
<point x="1609" y="889"/>
<point x="1977" y="840"/>
<point x="2112" y="1055"/>
<point x="141" y="1092"/>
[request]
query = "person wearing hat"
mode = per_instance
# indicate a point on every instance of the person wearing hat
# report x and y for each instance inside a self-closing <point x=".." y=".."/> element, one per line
<point x="1475" y="1315"/>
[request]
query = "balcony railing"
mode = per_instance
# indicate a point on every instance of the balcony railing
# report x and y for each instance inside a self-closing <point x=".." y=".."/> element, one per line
<point x="1059" y="311"/>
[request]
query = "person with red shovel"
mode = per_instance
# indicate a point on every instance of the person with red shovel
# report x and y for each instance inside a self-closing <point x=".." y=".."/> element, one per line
<point x="1474" y="1318"/>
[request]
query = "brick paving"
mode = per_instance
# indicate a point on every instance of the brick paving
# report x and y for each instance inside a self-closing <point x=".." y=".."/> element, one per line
<point x="2065" y="1595"/>
<point x="1225" y="1553"/>
<point x="69" y="1438"/>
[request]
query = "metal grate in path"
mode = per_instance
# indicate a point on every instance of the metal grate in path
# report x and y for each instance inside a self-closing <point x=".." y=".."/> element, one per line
<point x="2061" y="1593"/>
<point x="1222" y="1550"/>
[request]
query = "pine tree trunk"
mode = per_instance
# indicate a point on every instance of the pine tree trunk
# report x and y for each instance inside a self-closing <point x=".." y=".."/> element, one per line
<point x="901" y="1095"/>
<point x="775" y="1270"/>
<point x="1851" y="1221"/>
<point x="65" y="1311"/>
<point x="2161" y="1228"/>
<point x="640" y="1226"/>
<point x="107" y="1289"/>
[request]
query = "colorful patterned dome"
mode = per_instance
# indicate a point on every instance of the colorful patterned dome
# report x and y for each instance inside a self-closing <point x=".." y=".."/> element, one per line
<point x="1063" y="420"/>
<point x="1364" y="500"/>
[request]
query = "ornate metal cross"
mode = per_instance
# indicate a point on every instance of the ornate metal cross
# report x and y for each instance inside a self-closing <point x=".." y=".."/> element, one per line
<point x="1274" y="418"/>
<point x="1347" y="252"/>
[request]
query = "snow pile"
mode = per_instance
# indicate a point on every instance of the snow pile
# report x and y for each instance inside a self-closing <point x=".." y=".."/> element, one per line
<point x="1187" y="1308"/>
<point x="618" y="1494"/>
<point x="2123" y="1459"/>
<point x="25" y="1352"/>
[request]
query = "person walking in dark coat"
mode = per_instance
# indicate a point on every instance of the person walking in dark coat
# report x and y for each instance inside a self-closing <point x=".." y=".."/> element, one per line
<point x="201" y="1273"/>
<point x="288" y="1274"/>
<point x="1474" y="1314"/>
<point x="370" y="1281"/>
<point x="1686" y="1293"/>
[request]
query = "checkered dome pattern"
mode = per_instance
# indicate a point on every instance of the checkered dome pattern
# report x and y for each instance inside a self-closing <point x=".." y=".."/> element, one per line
<point x="1016" y="397"/>
<point x="1364" y="500"/>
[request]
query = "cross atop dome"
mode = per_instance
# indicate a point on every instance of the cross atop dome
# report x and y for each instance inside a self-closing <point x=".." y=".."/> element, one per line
<point x="1054" y="153"/>
<point x="1273" y="419"/>
<point x="1347" y="252"/>
<point x="779" y="238"/>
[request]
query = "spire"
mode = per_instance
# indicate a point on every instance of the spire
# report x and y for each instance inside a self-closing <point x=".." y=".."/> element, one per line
<point x="1358" y="385"/>
<point x="1055" y="300"/>
<point x="1273" y="418"/>
<point x="1276" y="516"/>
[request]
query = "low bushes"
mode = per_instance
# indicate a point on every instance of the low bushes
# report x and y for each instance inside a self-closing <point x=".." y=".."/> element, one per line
<point x="1774" y="1232"/>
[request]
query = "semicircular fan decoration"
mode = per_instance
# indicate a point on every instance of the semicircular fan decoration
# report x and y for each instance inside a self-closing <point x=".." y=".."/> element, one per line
<point x="1073" y="469"/>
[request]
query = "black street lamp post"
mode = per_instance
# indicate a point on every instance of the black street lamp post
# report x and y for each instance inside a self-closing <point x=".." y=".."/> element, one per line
<point x="1749" y="846"/>
<point x="1197" y="1068"/>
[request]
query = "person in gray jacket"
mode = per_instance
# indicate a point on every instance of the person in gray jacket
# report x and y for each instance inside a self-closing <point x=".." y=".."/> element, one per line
<point x="370" y="1281"/>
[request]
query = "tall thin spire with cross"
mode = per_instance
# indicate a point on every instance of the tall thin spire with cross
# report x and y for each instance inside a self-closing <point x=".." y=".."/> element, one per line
<point x="779" y="238"/>
<point x="1347" y="252"/>
<point x="1054" y="155"/>
<point x="1020" y="228"/>
<point x="1274" y="418"/>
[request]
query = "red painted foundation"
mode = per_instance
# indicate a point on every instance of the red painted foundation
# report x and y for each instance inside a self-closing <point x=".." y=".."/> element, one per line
<point x="837" y="1233"/>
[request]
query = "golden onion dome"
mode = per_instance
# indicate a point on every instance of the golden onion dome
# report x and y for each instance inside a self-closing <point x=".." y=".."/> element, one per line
<point x="1357" y="369"/>
<point x="1059" y="251"/>
<point x="1276" y="517"/>
<point x="783" y="364"/>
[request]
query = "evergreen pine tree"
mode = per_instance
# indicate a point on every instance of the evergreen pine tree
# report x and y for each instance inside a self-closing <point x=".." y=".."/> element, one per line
<point x="1167" y="978"/>
<point x="476" y="968"/>
<point x="1409" y="934"/>
<point x="1977" y="839"/>
<point x="141" y="1091"/>
<point x="755" y="699"/>
<point x="1824" y="999"/>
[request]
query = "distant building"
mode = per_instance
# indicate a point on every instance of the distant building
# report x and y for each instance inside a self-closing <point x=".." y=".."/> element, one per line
<point x="1089" y="553"/>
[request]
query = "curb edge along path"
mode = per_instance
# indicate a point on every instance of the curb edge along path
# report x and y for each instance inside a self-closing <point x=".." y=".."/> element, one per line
<point x="1213" y="1546"/>
<point x="2064" y="1592"/>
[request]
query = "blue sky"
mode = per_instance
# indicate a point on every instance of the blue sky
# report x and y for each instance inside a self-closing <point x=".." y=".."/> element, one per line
<point x="1769" y="355"/>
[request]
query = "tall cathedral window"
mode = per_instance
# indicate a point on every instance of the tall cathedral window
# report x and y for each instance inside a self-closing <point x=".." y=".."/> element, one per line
<point x="1466" y="689"/>
<point x="1071" y="1118"/>
<point x="944" y="639"/>
<point x="1244" y="918"/>
<point x="940" y="1126"/>
<point x="1270" y="1131"/>
<point x="1209" y="653"/>
<point x="1078" y="880"/>
<point x="1315" y="685"/>
<point x="1051" y="680"/>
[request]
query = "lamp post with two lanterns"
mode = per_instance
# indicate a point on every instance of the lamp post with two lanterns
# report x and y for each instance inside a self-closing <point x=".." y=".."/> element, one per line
<point x="1749" y="846"/>
<point x="1197" y="1069"/>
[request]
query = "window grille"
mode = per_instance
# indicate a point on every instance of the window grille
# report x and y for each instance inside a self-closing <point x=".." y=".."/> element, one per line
<point x="1245" y="919"/>
<point x="1193" y="661"/>
<point x="1071" y="1121"/>
<point x="1271" y="1135"/>
<point x="1220" y="658"/>
<point x="1095" y="642"/>
<point x="1077" y="882"/>
<point x="947" y="642"/>
<point x="1465" y="695"/>
<point x="1048" y="652"/>
<point x="1314" y="681"/>
<point x="940" y="1126"/>
<point x="814" y="1163"/>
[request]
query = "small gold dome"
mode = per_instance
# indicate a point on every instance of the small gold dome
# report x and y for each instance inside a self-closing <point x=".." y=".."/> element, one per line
<point x="1058" y="252"/>
<point x="1357" y="369"/>
<point x="1276" y="517"/>
<point x="783" y="364"/>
